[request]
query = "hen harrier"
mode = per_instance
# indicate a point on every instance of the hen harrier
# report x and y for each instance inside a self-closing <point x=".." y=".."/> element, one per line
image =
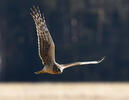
<point x="46" y="47"/>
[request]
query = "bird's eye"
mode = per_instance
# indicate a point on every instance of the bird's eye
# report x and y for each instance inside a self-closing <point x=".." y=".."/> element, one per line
<point x="58" y="69"/>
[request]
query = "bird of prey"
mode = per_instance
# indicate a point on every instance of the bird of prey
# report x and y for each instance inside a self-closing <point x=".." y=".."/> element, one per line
<point x="46" y="47"/>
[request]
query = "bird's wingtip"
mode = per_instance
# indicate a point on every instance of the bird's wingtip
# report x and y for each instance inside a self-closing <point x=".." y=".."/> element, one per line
<point x="101" y="60"/>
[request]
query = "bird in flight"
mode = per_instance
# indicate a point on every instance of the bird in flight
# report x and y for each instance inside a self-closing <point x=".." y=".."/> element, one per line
<point x="46" y="47"/>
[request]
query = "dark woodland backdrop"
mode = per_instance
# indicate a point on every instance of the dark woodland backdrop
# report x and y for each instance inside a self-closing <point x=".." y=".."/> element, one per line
<point x="82" y="30"/>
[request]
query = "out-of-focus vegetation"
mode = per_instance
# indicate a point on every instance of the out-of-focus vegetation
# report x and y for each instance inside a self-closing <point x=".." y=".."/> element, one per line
<point x="64" y="91"/>
<point x="82" y="30"/>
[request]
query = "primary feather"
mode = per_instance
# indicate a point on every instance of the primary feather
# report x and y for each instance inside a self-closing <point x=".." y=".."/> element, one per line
<point x="46" y="45"/>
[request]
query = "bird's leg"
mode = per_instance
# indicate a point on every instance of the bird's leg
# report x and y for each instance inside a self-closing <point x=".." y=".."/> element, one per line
<point x="39" y="72"/>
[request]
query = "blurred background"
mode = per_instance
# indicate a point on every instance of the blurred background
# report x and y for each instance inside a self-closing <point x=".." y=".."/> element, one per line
<point x="82" y="30"/>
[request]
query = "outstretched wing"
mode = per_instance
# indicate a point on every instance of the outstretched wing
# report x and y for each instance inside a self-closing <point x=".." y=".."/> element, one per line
<point x="82" y="63"/>
<point x="46" y="45"/>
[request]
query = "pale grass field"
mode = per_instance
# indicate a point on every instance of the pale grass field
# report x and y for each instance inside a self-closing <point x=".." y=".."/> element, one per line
<point x="64" y="91"/>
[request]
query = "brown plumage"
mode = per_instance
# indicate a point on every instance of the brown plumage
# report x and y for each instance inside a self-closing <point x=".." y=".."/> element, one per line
<point x="46" y="47"/>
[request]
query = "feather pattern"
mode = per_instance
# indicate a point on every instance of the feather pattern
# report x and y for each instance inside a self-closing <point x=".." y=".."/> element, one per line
<point x="46" y="45"/>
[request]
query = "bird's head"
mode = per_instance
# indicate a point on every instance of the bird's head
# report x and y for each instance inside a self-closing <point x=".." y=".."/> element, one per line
<point x="57" y="69"/>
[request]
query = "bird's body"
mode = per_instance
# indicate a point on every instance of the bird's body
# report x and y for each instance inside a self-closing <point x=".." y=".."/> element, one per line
<point x="52" y="69"/>
<point x="46" y="47"/>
